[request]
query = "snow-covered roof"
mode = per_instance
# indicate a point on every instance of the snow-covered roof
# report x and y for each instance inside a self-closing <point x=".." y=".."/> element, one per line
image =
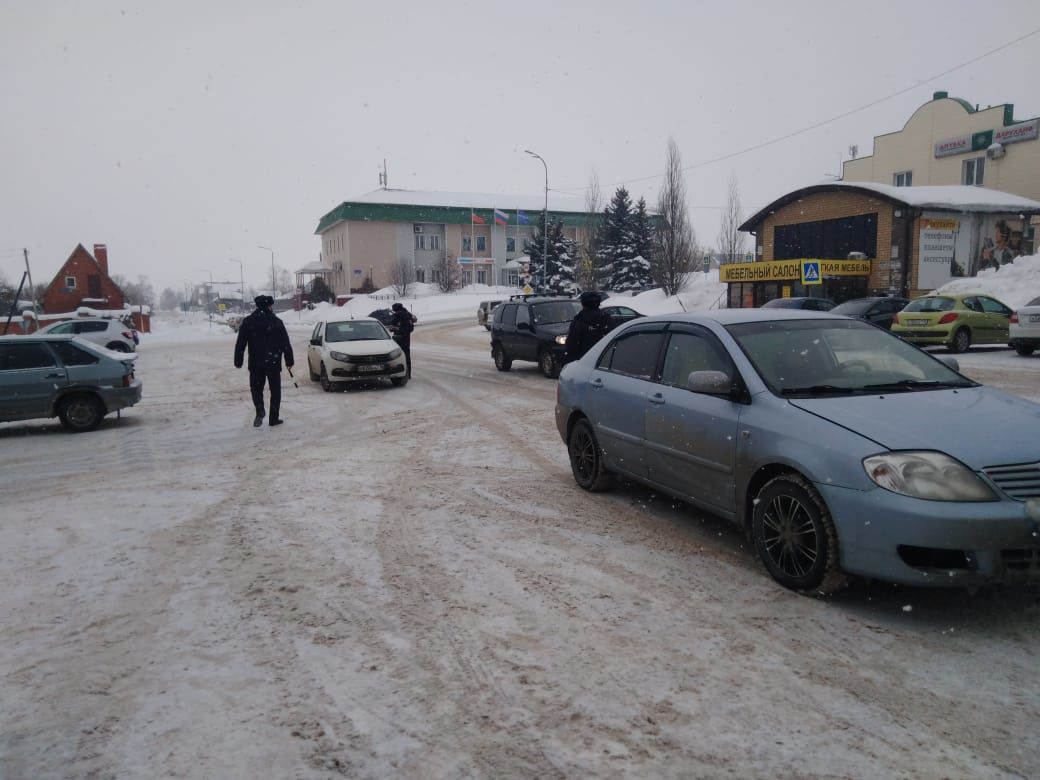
<point x="953" y="196"/>
<point x="476" y="200"/>
<point x="314" y="268"/>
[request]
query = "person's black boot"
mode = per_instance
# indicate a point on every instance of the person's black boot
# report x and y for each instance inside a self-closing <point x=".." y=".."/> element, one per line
<point x="276" y="422"/>
<point x="258" y="420"/>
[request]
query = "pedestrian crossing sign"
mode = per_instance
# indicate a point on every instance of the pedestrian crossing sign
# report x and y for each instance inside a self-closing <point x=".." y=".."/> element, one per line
<point x="811" y="272"/>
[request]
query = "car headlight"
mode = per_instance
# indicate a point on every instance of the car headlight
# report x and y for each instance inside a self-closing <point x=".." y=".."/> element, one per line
<point x="342" y="357"/>
<point x="561" y="339"/>
<point x="933" y="476"/>
<point x="396" y="354"/>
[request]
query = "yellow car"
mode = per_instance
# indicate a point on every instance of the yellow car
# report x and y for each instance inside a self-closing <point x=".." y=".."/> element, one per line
<point x="953" y="321"/>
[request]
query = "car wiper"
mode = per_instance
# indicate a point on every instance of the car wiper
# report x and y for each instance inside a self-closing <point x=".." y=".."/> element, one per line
<point x="915" y="384"/>
<point x="818" y="390"/>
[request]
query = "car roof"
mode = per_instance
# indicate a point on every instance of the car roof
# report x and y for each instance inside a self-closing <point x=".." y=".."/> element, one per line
<point x="38" y="337"/>
<point x="351" y="319"/>
<point x="725" y="317"/>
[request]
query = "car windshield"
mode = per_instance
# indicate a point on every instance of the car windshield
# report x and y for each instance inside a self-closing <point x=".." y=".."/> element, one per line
<point x="931" y="303"/>
<point x="554" y="311"/>
<point x="355" y="331"/>
<point x="853" y="308"/>
<point x="839" y="357"/>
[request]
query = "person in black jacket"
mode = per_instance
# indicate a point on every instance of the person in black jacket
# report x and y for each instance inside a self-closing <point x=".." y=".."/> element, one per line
<point x="402" y="323"/>
<point x="588" y="326"/>
<point x="265" y="335"/>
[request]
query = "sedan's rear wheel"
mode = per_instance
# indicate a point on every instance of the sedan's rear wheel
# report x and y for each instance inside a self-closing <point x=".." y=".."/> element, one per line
<point x="502" y="361"/>
<point x="323" y="377"/>
<point x="80" y="413"/>
<point x="587" y="458"/>
<point x="795" y="537"/>
<point x="961" y="341"/>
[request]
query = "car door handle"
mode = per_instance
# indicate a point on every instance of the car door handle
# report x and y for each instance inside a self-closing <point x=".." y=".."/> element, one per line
<point x="656" y="398"/>
<point x="596" y="383"/>
<point x="58" y="375"/>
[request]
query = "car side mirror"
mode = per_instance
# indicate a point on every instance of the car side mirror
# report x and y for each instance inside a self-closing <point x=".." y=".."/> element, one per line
<point x="710" y="382"/>
<point x="316" y="342"/>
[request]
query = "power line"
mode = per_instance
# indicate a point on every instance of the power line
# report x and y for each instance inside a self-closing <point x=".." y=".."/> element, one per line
<point x="820" y="124"/>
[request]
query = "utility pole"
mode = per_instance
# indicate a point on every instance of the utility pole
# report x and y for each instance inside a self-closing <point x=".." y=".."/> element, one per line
<point x="32" y="289"/>
<point x="274" y="292"/>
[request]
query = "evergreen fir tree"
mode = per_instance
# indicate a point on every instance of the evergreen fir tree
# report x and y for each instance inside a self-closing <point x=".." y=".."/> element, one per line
<point x="644" y="241"/>
<point x="618" y="249"/>
<point x="555" y="275"/>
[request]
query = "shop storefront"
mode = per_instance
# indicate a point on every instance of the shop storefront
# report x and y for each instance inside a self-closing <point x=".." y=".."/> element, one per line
<point x="752" y="284"/>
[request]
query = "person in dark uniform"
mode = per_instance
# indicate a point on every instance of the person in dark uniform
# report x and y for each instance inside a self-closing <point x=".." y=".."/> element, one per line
<point x="402" y="323"/>
<point x="265" y="336"/>
<point x="588" y="326"/>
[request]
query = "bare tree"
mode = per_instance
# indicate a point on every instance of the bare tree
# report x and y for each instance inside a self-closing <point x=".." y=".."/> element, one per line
<point x="676" y="242"/>
<point x="446" y="273"/>
<point x="586" y="266"/>
<point x="731" y="240"/>
<point x="402" y="276"/>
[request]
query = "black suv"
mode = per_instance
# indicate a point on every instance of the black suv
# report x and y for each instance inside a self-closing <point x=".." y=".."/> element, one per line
<point x="532" y="328"/>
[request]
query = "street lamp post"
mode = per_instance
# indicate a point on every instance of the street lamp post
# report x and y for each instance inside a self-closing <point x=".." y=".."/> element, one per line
<point x="545" y="218"/>
<point x="209" y="292"/>
<point x="242" y="280"/>
<point x="273" y="293"/>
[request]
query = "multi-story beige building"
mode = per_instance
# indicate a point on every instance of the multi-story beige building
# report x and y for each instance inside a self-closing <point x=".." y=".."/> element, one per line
<point x="948" y="141"/>
<point x="363" y="240"/>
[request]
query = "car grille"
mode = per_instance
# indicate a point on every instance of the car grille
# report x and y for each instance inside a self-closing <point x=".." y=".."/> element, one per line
<point x="370" y="358"/>
<point x="1019" y="480"/>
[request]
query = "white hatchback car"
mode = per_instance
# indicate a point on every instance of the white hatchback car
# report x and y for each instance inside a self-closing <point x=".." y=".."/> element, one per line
<point x="111" y="334"/>
<point x="342" y="351"/>
<point x="1024" y="330"/>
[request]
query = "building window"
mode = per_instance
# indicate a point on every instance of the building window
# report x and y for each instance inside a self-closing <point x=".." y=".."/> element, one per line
<point x="510" y="243"/>
<point x="436" y="276"/>
<point x="903" y="179"/>
<point x="70" y="282"/>
<point x="435" y="242"/>
<point x="973" y="171"/>
<point x="467" y="245"/>
<point x="481" y="244"/>
<point x="420" y="275"/>
<point x="420" y="241"/>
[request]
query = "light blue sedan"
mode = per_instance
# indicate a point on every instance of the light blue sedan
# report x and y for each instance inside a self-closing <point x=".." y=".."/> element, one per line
<point x="841" y="449"/>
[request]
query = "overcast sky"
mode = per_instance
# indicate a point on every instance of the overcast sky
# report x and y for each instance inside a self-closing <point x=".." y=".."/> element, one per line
<point x="183" y="134"/>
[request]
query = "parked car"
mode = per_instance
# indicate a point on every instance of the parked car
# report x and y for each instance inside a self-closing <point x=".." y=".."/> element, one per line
<point x="484" y="313"/>
<point x="1024" y="330"/>
<point x="840" y="448"/>
<point x="63" y="376"/>
<point x="809" y="304"/>
<point x="880" y="311"/>
<point x="532" y="328"/>
<point x="383" y="315"/>
<point x="343" y="351"/>
<point x="111" y="334"/>
<point x="619" y="315"/>
<point x="953" y="321"/>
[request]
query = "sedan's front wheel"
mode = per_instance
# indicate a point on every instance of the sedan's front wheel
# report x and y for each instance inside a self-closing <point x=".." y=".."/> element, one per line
<point x="587" y="459"/>
<point x="549" y="364"/>
<point x="795" y="537"/>
<point x="323" y="377"/>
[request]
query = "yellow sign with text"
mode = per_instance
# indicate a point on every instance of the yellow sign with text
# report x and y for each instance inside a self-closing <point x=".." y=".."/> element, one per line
<point x="776" y="270"/>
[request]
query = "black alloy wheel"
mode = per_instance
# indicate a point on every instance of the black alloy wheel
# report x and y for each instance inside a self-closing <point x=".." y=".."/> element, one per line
<point x="961" y="341"/>
<point x="795" y="537"/>
<point x="81" y="412"/>
<point x="587" y="459"/>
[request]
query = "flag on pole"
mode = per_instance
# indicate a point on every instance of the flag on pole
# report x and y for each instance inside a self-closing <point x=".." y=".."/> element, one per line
<point x="476" y="219"/>
<point x="501" y="218"/>
<point x="522" y="218"/>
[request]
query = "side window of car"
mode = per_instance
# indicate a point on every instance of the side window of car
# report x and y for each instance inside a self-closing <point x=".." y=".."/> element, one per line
<point x="509" y="315"/>
<point x="523" y="315"/>
<point x="316" y="333"/>
<point x="65" y="327"/>
<point x="634" y="354"/>
<point x="991" y="306"/>
<point x="689" y="352"/>
<point x="15" y="357"/>
<point x="972" y="304"/>
<point x="71" y="355"/>
<point x="91" y="327"/>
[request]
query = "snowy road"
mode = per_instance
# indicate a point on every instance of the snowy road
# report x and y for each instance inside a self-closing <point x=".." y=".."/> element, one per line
<point x="407" y="582"/>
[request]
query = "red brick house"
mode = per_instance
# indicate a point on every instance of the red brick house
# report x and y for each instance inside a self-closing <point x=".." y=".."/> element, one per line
<point x="83" y="281"/>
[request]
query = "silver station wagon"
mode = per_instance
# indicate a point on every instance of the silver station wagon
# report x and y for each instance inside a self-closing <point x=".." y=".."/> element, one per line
<point x="66" y="377"/>
<point x="841" y="449"/>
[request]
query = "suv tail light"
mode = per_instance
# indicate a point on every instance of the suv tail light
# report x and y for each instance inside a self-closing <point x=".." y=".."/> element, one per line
<point x="1014" y="318"/>
<point x="947" y="318"/>
<point x="128" y="335"/>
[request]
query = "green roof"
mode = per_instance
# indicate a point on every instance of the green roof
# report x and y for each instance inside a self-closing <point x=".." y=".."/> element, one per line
<point x="353" y="211"/>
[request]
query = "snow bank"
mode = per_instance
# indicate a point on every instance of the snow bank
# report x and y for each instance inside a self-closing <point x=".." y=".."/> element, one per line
<point x="1015" y="284"/>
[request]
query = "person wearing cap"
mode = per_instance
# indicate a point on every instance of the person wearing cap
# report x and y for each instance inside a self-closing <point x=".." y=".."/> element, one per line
<point x="402" y="323"/>
<point x="267" y="340"/>
<point x="588" y="326"/>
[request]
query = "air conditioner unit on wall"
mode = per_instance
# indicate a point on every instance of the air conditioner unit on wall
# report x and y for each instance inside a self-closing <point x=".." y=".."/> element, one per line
<point x="995" y="151"/>
<point x="417" y="228"/>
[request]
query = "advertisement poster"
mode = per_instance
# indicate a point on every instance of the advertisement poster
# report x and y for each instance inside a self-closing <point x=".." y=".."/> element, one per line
<point x="999" y="245"/>
<point x="938" y="253"/>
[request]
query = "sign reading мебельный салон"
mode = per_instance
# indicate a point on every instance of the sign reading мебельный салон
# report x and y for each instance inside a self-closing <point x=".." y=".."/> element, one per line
<point x="776" y="270"/>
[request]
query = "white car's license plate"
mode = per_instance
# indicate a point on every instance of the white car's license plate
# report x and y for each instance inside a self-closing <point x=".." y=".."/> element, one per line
<point x="1034" y="317"/>
<point x="917" y="322"/>
<point x="373" y="367"/>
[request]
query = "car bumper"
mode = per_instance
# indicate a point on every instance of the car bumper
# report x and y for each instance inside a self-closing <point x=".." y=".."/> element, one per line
<point x="934" y="543"/>
<point x="926" y="337"/>
<point x="358" y="372"/>
<point x="116" y="398"/>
